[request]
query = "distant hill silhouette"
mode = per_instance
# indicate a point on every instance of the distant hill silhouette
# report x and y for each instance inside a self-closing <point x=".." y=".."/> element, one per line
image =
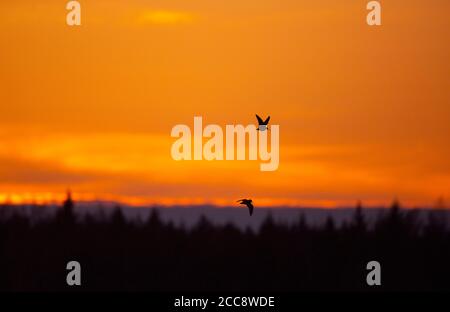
<point x="189" y="216"/>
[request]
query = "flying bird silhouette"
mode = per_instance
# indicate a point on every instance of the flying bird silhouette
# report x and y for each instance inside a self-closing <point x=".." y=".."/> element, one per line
<point x="248" y="203"/>
<point x="262" y="124"/>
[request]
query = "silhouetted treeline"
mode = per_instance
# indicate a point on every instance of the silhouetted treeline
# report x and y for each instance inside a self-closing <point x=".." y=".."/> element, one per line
<point x="150" y="255"/>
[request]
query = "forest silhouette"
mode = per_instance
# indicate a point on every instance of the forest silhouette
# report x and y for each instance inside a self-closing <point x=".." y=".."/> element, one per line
<point x="118" y="254"/>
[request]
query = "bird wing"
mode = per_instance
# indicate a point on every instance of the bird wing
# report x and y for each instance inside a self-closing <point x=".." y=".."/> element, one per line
<point x="260" y="121"/>
<point x="250" y="208"/>
<point x="267" y="120"/>
<point x="240" y="200"/>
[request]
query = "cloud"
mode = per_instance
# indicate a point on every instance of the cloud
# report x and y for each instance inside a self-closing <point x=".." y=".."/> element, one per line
<point x="29" y="172"/>
<point x="163" y="17"/>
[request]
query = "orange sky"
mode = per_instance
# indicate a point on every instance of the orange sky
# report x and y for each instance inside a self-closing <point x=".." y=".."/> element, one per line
<point x="363" y="111"/>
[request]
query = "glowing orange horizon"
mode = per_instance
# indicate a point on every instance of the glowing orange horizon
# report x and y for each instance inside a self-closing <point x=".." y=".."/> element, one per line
<point x="58" y="198"/>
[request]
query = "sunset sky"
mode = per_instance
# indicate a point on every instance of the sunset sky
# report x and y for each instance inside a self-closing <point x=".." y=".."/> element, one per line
<point x="364" y="112"/>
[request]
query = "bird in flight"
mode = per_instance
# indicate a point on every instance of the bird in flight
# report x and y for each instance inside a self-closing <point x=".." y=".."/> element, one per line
<point x="262" y="124"/>
<point x="248" y="203"/>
